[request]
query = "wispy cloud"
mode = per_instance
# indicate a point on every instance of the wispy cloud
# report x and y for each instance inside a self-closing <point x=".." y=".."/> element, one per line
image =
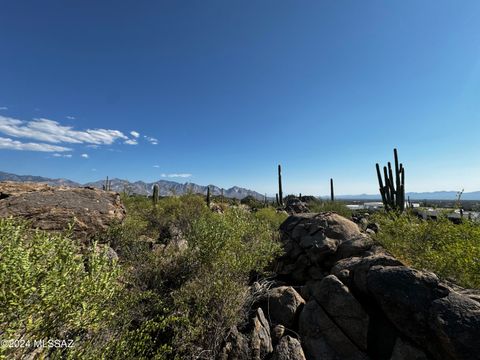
<point x="62" y="155"/>
<point x="53" y="132"/>
<point x="71" y="117"/>
<point x="131" y="142"/>
<point x="3" y="108"/>
<point x="6" y="143"/>
<point x="176" y="175"/>
<point x="151" y="140"/>
<point x="85" y="156"/>
<point x="156" y="166"/>
<point x="134" y="134"/>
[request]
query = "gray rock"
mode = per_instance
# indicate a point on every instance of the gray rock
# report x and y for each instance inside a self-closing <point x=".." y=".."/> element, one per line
<point x="353" y="271"/>
<point x="405" y="296"/>
<point x="282" y="305"/>
<point x="343" y="309"/>
<point x="403" y="350"/>
<point x="277" y="333"/>
<point x="322" y="339"/>
<point x="261" y="342"/>
<point x="236" y="347"/>
<point x="288" y="349"/>
<point x="455" y="322"/>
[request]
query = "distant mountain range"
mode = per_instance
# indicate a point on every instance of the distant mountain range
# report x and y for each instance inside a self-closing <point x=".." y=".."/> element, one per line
<point x="435" y="195"/>
<point x="139" y="187"/>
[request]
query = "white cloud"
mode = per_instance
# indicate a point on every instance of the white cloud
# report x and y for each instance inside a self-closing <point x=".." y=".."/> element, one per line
<point x="94" y="169"/>
<point x="71" y="117"/>
<point x="134" y="134"/>
<point x="176" y="175"/>
<point x="156" y="166"/>
<point x="131" y="142"/>
<point x="62" y="155"/>
<point x="151" y="140"/>
<point x="84" y="156"/>
<point x="51" y="131"/>
<point x="3" y="108"/>
<point x="6" y="143"/>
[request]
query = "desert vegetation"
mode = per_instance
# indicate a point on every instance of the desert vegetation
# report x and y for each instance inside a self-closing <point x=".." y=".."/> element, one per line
<point x="160" y="299"/>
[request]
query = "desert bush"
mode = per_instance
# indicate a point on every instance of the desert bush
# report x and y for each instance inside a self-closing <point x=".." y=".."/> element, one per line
<point x="450" y="250"/>
<point x="227" y="249"/>
<point x="252" y="202"/>
<point x="49" y="291"/>
<point x="335" y="206"/>
<point x="271" y="216"/>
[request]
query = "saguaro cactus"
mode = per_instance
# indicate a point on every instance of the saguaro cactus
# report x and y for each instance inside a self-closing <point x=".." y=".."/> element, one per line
<point x="208" y="196"/>
<point x="332" y="193"/>
<point x="155" y="194"/>
<point x="276" y="199"/>
<point x="107" y="186"/>
<point x="280" y="192"/>
<point x="393" y="191"/>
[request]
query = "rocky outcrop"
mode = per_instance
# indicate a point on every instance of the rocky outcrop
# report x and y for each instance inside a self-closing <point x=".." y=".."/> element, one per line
<point x="282" y="305"/>
<point x="55" y="208"/>
<point x="339" y="296"/>
<point x="288" y="349"/>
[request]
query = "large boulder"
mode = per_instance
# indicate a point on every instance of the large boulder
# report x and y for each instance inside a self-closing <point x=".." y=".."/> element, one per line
<point x="405" y="296"/>
<point x="288" y="349"/>
<point x="55" y="208"/>
<point x="322" y="339"/>
<point x="343" y="309"/>
<point x="353" y="271"/>
<point x="455" y="322"/>
<point x="282" y="305"/>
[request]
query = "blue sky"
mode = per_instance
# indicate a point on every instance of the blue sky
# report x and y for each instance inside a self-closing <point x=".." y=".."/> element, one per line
<point x="222" y="91"/>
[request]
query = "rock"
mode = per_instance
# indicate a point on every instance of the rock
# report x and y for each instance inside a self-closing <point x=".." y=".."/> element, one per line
<point x="343" y="309"/>
<point x="322" y="339"/>
<point x="288" y="349"/>
<point x="338" y="227"/>
<point x="236" y="347"/>
<point x="403" y="350"/>
<point x="353" y="271"/>
<point x="296" y="206"/>
<point x="108" y="251"/>
<point x="455" y="322"/>
<point x="261" y="342"/>
<point x="320" y="250"/>
<point x="282" y="306"/>
<point x="405" y="296"/>
<point x="353" y="247"/>
<point x="277" y="333"/>
<point x="54" y="208"/>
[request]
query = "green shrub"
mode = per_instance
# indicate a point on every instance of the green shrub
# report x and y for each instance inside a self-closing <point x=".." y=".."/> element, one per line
<point x="335" y="206"/>
<point x="49" y="291"/>
<point x="252" y="202"/>
<point x="450" y="250"/>
<point x="227" y="249"/>
<point x="271" y="216"/>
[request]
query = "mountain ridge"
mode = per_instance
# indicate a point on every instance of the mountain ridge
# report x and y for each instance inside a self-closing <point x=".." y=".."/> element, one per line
<point x="166" y="187"/>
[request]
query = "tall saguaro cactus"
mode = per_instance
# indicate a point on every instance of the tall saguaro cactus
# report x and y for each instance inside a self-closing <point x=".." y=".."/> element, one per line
<point x="280" y="192"/>
<point x="393" y="191"/>
<point x="107" y="186"/>
<point x="155" y="194"/>
<point x="332" y="193"/>
<point x="208" y="195"/>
